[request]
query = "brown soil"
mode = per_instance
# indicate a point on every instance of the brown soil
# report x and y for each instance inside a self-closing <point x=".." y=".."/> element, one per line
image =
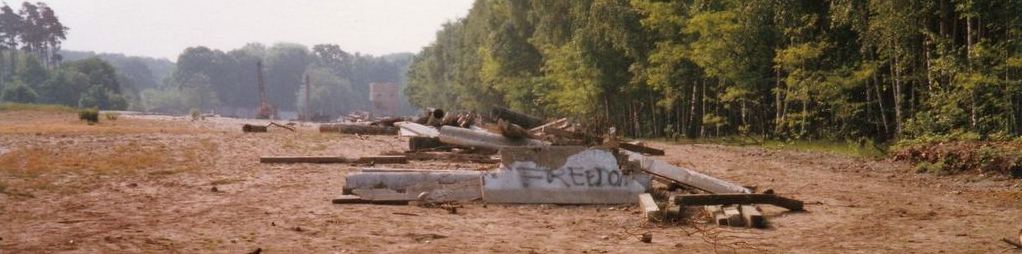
<point x="146" y="184"/>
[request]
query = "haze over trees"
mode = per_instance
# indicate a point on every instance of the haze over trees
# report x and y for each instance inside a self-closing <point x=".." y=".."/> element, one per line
<point x="836" y="69"/>
<point x="211" y="80"/>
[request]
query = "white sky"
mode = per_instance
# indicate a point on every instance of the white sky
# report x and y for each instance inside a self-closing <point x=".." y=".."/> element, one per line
<point x="163" y="28"/>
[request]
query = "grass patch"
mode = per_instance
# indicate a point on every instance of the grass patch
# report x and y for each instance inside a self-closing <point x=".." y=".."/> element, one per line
<point x="868" y="150"/>
<point x="112" y="116"/>
<point x="10" y="106"/>
<point x="846" y="148"/>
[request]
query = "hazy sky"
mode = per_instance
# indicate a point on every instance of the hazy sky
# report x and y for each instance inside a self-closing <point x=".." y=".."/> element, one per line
<point x="163" y="28"/>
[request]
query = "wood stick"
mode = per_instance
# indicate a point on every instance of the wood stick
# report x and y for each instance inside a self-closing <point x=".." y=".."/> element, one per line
<point x="1013" y="243"/>
<point x="387" y="159"/>
<point x="302" y="159"/>
<point x="738" y="199"/>
<point x="640" y="148"/>
<point x="334" y="159"/>
<point x="352" y="199"/>
<point x="358" y="129"/>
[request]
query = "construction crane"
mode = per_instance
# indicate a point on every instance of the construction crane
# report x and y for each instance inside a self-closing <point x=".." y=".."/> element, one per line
<point x="266" y="110"/>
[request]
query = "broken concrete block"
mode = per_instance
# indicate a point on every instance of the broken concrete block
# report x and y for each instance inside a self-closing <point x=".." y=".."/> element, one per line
<point x="649" y="207"/>
<point x="684" y="176"/>
<point x="591" y="176"/>
<point x="400" y="181"/>
<point x="753" y="217"/>
<point x="734" y="217"/>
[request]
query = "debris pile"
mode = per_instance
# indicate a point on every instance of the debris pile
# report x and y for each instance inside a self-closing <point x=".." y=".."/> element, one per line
<point x="537" y="162"/>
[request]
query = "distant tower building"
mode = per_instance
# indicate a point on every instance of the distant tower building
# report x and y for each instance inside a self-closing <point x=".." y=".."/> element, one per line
<point x="384" y="97"/>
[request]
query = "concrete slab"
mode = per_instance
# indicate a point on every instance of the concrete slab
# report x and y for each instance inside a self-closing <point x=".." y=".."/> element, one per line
<point x="591" y="176"/>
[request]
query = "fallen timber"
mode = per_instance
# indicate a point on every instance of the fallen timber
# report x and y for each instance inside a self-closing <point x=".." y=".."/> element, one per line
<point x="684" y="176"/>
<point x="523" y="120"/>
<point x="359" y="129"/>
<point x="478" y="139"/>
<point x="738" y="199"/>
<point x="447" y="156"/>
<point x="640" y="148"/>
<point x="410" y="129"/>
<point x="334" y="159"/>
<point x="253" y="128"/>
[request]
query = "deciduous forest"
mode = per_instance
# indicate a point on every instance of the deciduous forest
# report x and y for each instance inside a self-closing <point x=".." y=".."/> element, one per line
<point x="863" y="70"/>
<point x="34" y="69"/>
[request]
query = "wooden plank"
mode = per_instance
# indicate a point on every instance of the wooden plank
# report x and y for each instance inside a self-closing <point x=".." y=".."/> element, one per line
<point x="411" y="129"/>
<point x="447" y="156"/>
<point x="684" y="176"/>
<point x="555" y="123"/>
<point x="359" y="129"/>
<point x="716" y="214"/>
<point x="738" y="199"/>
<point x="734" y="217"/>
<point x="753" y="217"/>
<point x="252" y="129"/>
<point x="386" y="159"/>
<point x="640" y="148"/>
<point x="352" y="199"/>
<point x="649" y="207"/>
<point x="302" y="159"/>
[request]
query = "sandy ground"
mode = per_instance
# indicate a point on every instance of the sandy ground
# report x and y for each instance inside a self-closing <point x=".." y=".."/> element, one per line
<point x="146" y="184"/>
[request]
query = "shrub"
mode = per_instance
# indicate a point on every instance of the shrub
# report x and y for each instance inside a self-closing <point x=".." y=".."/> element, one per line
<point x="196" y="115"/>
<point x="89" y="115"/>
<point x="111" y="116"/>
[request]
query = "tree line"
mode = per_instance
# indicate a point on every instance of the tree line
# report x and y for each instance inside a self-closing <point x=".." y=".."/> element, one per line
<point x="32" y="69"/>
<point x="212" y="80"/>
<point x="834" y="69"/>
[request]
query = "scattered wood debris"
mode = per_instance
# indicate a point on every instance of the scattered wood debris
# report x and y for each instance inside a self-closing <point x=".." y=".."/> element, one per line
<point x="363" y="129"/>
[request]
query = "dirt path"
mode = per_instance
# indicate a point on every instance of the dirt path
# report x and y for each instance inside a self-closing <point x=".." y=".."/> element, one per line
<point x="854" y="206"/>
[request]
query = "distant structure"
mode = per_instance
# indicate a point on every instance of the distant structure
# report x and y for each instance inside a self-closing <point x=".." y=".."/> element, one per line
<point x="384" y="97"/>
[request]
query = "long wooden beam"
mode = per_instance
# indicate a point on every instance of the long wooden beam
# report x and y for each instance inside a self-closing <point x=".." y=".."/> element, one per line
<point x="738" y="199"/>
<point x="334" y="159"/>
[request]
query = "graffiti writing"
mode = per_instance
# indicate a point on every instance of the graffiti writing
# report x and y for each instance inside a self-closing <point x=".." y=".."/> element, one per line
<point x="571" y="176"/>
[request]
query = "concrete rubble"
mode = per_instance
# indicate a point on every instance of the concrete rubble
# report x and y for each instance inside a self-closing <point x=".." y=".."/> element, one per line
<point x="541" y="162"/>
